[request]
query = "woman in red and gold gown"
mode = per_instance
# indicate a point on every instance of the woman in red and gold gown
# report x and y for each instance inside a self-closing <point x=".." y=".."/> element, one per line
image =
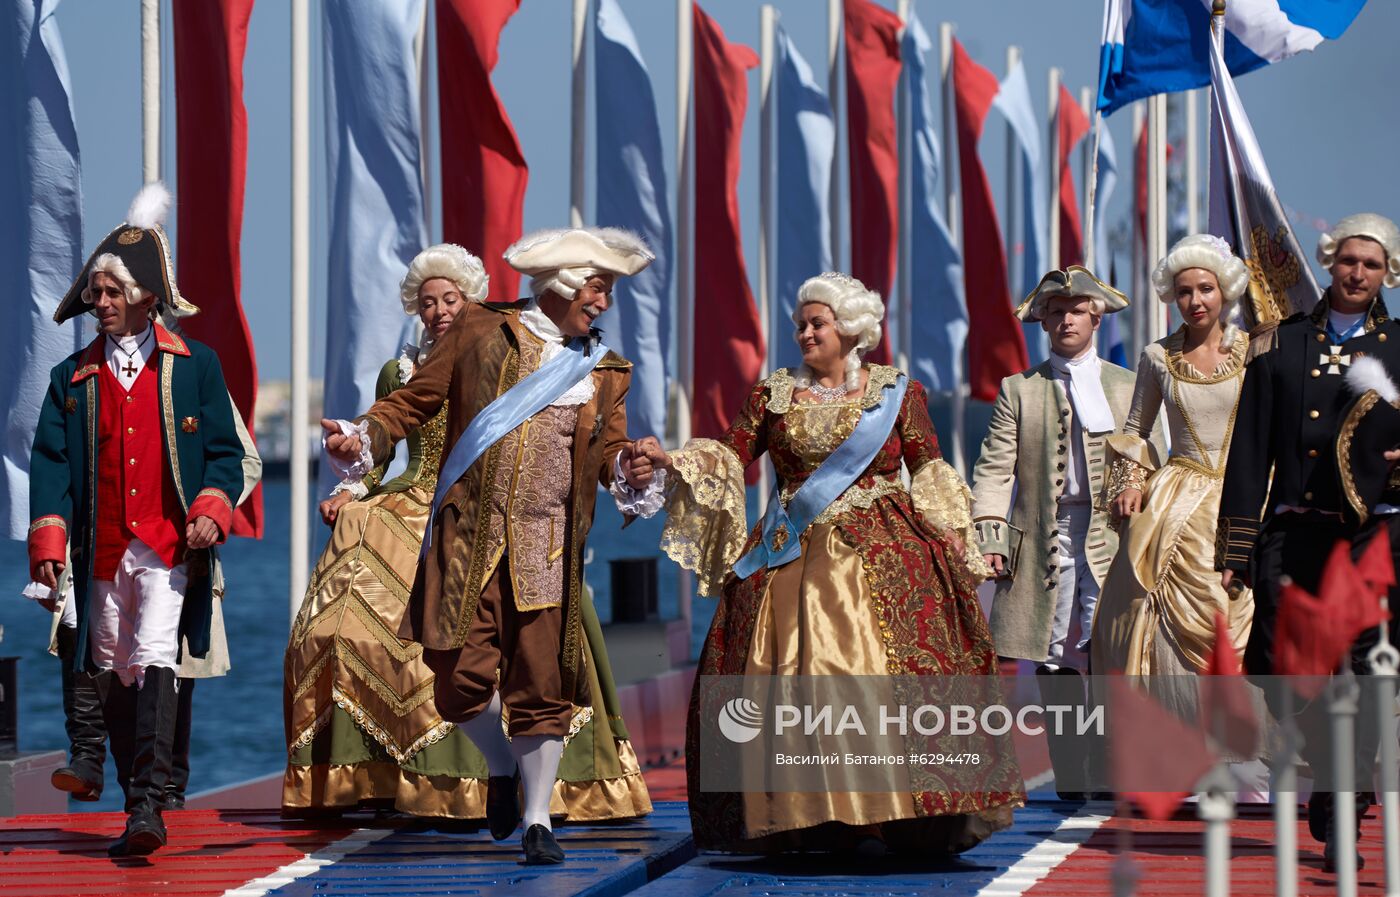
<point x="883" y="587"/>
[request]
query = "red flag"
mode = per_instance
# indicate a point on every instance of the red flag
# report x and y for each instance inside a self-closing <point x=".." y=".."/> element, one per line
<point x="1227" y="710"/>
<point x="1155" y="758"/>
<point x="211" y="148"/>
<point x="1072" y="125"/>
<point x="1314" y="634"/>
<point x="872" y="73"/>
<point x="728" y="335"/>
<point x="996" y="347"/>
<point x="1376" y="565"/>
<point x="483" y="169"/>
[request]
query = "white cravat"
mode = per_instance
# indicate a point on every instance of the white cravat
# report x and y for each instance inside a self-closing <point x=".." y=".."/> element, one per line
<point x="1086" y="390"/>
<point x="127" y="363"/>
<point x="538" y="323"/>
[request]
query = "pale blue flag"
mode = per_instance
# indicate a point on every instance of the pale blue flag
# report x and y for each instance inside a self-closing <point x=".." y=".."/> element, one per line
<point x="40" y="188"/>
<point x="939" y="310"/>
<point x="806" y="136"/>
<point x="1013" y="100"/>
<point x="1114" y="348"/>
<point x="632" y="194"/>
<point x="376" y="193"/>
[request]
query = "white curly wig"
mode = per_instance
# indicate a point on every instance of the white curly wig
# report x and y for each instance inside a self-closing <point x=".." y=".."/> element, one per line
<point x="112" y="265"/>
<point x="858" y="313"/>
<point x="445" y="260"/>
<point x="1213" y="254"/>
<point x="1372" y="227"/>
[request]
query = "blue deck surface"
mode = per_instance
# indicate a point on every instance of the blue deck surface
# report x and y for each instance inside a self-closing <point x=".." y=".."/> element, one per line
<point x="657" y="857"/>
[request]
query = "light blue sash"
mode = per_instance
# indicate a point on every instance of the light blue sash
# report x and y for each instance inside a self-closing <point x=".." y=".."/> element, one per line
<point x="511" y="409"/>
<point x="783" y="527"/>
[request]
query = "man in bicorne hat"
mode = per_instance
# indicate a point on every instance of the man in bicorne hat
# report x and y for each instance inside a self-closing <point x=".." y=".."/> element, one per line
<point x="1282" y="507"/>
<point x="139" y="460"/>
<point x="1051" y="546"/>
<point x="536" y="420"/>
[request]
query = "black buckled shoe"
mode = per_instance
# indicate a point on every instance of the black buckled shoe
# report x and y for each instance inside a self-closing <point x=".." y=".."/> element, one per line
<point x="503" y="805"/>
<point x="145" y="833"/>
<point x="540" y="847"/>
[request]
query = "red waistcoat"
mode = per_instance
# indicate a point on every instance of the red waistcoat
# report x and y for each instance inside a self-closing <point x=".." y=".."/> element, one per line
<point x="135" y="495"/>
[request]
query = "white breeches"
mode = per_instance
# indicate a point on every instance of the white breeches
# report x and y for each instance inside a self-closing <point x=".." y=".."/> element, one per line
<point x="134" y="621"/>
<point x="1077" y="594"/>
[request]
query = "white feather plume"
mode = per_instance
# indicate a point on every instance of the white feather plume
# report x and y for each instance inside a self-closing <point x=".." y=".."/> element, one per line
<point x="149" y="208"/>
<point x="1367" y="374"/>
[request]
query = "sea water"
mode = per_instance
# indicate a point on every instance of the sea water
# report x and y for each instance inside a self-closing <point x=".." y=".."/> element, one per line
<point x="237" y="730"/>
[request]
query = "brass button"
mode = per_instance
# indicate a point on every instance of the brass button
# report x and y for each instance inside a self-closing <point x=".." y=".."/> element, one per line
<point x="1381" y="337"/>
<point x="1315" y="372"/>
<point x="133" y="491"/>
<point x="1314" y="414"/>
<point x="1307" y="496"/>
<point x="134" y="524"/>
<point x="129" y="399"/>
<point x="1312" y="453"/>
<point x="131" y="461"/>
<point x="1322" y="338"/>
<point x="131" y="429"/>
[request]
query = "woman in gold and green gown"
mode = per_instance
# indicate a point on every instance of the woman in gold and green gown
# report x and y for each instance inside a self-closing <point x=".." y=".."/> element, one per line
<point x="361" y="726"/>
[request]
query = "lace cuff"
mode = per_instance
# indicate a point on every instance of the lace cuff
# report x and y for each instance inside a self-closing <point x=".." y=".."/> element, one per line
<point x="946" y="503"/>
<point x="357" y="489"/>
<point x="1123" y="474"/>
<point x="364" y="464"/>
<point x="638" y="502"/>
<point x="705" y="515"/>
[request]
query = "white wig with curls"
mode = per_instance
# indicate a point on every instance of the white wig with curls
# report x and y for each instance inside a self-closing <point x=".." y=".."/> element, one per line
<point x="448" y="261"/>
<point x="857" y="311"/>
<point x="1213" y="254"/>
<point x="1370" y="226"/>
<point x="113" y="266"/>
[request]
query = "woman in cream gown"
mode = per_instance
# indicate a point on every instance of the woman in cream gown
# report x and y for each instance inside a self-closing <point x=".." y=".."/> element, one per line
<point x="1156" y="614"/>
<point x="361" y="725"/>
<point x="882" y="587"/>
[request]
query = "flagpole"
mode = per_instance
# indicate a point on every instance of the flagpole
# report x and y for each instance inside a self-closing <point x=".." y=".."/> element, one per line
<point x="578" y="119"/>
<point x="1193" y="162"/>
<point x="1156" y="202"/>
<point x="150" y="91"/>
<point x="685" y="259"/>
<point x="1091" y="176"/>
<point x="904" y="351"/>
<point x="425" y="141"/>
<point x="1139" y="264"/>
<point x="767" y="17"/>
<point x="299" y="421"/>
<point x="1016" y="261"/>
<point x="834" y="21"/>
<point x="959" y="392"/>
<point x="1053" y="161"/>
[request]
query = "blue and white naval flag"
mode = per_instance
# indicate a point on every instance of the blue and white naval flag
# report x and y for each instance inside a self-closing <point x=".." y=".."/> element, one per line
<point x="1013" y="100"/>
<point x="806" y="149"/>
<point x="1246" y="211"/>
<point x="1161" y="46"/>
<point x="40" y="185"/>
<point x="632" y="194"/>
<point x="940" y="310"/>
<point x="373" y="138"/>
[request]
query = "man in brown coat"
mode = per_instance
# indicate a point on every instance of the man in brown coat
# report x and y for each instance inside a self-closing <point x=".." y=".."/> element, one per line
<point x="536" y="418"/>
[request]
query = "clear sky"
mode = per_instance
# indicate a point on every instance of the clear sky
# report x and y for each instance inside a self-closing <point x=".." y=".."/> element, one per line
<point x="1320" y="117"/>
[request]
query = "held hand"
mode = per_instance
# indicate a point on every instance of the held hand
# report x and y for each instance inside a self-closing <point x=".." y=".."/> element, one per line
<point x="1393" y="455"/>
<point x="48" y="573"/>
<point x="201" y="532"/>
<point x="653" y="450"/>
<point x="997" y="563"/>
<point x="955" y="542"/>
<point x="1226" y="578"/>
<point x="330" y="508"/>
<point x="338" y="445"/>
<point x="636" y="466"/>
<point x="1128" y="503"/>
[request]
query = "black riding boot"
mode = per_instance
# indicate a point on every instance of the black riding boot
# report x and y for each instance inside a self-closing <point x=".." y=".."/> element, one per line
<point x="1064" y="688"/>
<point x="180" y="759"/>
<point x="82" y="718"/>
<point x="157" y="703"/>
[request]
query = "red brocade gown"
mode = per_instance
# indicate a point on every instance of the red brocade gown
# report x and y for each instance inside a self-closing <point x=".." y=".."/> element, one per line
<point x="881" y="589"/>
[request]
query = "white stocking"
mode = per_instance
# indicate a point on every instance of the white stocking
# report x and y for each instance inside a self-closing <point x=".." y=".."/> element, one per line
<point x="538" y="756"/>
<point x="485" y="732"/>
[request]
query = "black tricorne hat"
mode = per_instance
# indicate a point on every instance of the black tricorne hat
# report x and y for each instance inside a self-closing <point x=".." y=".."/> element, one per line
<point x="1370" y="428"/>
<point x="141" y="245"/>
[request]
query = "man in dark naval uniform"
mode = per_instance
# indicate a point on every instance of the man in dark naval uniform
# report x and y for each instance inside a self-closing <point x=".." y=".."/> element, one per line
<point x="1282" y="508"/>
